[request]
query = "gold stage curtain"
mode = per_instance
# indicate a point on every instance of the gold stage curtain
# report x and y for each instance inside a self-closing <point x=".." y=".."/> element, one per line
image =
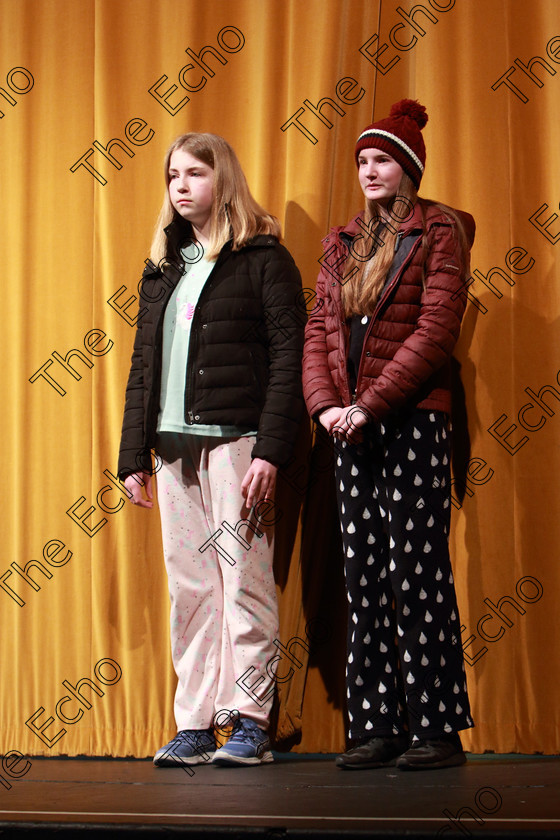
<point x="91" y="95"/>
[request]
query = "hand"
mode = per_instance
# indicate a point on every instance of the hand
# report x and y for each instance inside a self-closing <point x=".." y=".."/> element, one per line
<point x="348" y="425"/>
<point x="259" y="482"/>
<point x="134" y="483"/>
<point x="329" y="417"/>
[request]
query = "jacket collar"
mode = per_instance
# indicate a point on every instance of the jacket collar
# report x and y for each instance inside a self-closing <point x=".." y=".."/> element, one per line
<point x="177" y="235"/>
<point x="431" y="212"/>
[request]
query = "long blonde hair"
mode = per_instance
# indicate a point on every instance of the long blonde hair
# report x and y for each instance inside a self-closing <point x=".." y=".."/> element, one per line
<point x="371" y="255"/>
<point x="235" y="214"/>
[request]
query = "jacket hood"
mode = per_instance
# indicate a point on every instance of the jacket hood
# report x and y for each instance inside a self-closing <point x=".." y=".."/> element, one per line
<point x="434" y="214"/>
<point x="177" y="233"/>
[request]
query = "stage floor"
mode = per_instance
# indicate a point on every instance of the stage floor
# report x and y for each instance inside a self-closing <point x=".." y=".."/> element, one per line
<point x="296" y="797"/>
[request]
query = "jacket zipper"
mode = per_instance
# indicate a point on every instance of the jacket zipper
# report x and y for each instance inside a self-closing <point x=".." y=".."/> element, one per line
<point x="380" y="302"/>
<point x="158" y="344"/>
<point x="190" y="380"/>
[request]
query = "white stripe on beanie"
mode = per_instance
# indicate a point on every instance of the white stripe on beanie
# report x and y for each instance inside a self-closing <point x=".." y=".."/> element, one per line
<point x="378" y="132"/>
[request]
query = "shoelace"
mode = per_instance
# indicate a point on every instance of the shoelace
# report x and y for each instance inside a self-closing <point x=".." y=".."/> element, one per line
<point x="197" y="739"/>
<point x="245" y="729"/>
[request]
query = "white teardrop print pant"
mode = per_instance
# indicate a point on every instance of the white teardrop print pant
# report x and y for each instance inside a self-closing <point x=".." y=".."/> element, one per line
<point x="405" y="669"/>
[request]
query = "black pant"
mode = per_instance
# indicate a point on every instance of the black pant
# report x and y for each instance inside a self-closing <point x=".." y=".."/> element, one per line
<point x="405" y="662"/>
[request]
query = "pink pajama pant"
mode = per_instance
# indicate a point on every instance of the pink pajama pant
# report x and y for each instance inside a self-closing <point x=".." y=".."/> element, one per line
<point x="224" y="612"/>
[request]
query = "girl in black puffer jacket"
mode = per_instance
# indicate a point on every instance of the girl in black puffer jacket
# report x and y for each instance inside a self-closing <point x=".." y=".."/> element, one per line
<point x="215" y="388"/>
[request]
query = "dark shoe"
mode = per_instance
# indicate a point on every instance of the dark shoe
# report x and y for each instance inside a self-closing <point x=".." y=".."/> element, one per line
<point x="189" y="746"/>
<point x="249" y="744"/>
<point x="378" y="752"/>
<point x="431" y="753"/>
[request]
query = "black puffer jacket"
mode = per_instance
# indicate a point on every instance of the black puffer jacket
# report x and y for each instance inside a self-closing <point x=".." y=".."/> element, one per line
<point x="244" y="352"/>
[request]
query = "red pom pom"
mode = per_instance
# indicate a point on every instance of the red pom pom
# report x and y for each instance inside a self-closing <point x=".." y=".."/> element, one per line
<point x="410" y="108"/>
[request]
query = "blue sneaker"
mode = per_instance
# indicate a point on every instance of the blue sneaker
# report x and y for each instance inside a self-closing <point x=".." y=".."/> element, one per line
<point x="248" y="745"/>
<point x="189" y="746"/>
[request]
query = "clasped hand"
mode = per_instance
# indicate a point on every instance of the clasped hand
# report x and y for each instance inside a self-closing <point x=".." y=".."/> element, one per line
<point x="345" y="423"/>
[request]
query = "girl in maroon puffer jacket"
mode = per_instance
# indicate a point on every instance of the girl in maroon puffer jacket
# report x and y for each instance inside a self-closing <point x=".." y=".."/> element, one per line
<point x="390" y="298"/>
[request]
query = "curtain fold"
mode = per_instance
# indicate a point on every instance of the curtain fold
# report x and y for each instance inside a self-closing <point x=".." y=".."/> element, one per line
<point x="92" y="94"/>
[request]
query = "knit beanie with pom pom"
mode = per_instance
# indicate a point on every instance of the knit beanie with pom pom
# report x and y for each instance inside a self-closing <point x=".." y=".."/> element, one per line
<point x="400" y="136"/>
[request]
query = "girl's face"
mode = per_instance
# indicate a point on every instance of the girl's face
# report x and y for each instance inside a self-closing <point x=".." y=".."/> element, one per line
<point x="379" y="175"/>
<point x="191" y="187"/>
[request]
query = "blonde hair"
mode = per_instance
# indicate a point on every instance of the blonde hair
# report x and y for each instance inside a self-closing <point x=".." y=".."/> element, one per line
<point x="371" y="256"/>
<point x="235" y="214"/>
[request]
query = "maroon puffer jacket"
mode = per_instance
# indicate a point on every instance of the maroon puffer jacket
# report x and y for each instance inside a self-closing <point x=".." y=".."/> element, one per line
<point x="412" y="333"/>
